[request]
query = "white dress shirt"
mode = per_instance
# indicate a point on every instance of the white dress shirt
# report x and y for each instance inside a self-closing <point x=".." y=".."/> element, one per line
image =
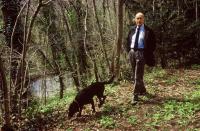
<point x="140" y="39"/>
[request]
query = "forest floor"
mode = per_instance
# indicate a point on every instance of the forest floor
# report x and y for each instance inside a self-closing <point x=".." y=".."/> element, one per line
<point x="174" y="105"/>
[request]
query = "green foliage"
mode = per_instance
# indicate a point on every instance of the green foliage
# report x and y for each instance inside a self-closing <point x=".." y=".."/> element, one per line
<point x="69" y="129"/>
<point x="107" y="108"/>
<point x="52" y="104"/>
<point x="167" y="77"/>
<point x="195" y="67"/>
<point x="107" y="122"/>
<point x="56" y="102"/>
<point x="87" y="129"/>
<point x="62" y="60"/>
<point x="171" y="80"/>
<point x="155" y="73"/>
<point x="182" y="111"/>
<point x="195" y="82"/>
<point x="111" y="89"/>
<point x="114" y="110"/>
<point x="170" y="111"/>
<point x="132" y="120"/>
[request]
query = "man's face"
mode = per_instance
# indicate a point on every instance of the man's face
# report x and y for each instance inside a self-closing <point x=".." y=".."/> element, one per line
<point x="139" y="19"/>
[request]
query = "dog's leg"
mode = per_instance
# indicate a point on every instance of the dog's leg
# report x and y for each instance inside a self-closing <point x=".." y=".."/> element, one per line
<point x="80" y="110"/>
<point x="101" y="100"/>
<point x="93" y="107"/>
<point x="101" y="96"/>
<point x="104" y="97"/>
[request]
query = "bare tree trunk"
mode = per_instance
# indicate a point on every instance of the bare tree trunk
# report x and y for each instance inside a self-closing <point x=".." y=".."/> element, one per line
<point x="62" y="85"/>
<point x="178" y="7"/>
<point x="120" y="35"/>
<point x="114" y="6"/>
<point x="196" y="10"/>
<point x="64" y="50"/>
<point x="24" y="72"/>
<point x="4" y="89"/>
<point x="104" y="11"/>
<point x="92" y="59"/>
<point x="14" y="38"/>
<point x="101" y="34"/>
<point x="153" y="7"/>
<point x="44" y="89"/>
<point x="163" y="52"/>
<point x="44" y="58"/>
<point x="72" y="65"/>
<point x="82" y="59"/>
<point x="54" y="42"/>
<point x="65" y="19"/>
<point x="109" y="13"/>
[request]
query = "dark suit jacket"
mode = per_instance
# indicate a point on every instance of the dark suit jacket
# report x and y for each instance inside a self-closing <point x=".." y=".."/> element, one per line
<point x="149" y="44"/>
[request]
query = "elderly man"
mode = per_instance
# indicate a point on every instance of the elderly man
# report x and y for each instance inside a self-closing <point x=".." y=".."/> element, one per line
<point x="141" y="44"/>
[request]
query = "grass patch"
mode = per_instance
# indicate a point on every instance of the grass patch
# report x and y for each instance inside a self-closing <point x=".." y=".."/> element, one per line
<point x="195" y="67"/>
<point x="196" y="82"/>
<point x="171" y="80"/>
<point x="69" y="129"/>
<point x="159" y="111"/>
<point x="107" y="108"/>
<point x="132" y="120"/>
<point x="155" y="73"/>
<point x="182" y="112"/>
<point x="111" y="89"/>
<point x="167" y="76"/>
<point x="55" y="102"/>
<point x="107" y="122"/>
<point x="52" y="103"/>
<point x="113" y="110"/>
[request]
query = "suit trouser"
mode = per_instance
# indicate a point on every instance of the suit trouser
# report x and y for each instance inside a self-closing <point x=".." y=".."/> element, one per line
<point x="137" y="62"/>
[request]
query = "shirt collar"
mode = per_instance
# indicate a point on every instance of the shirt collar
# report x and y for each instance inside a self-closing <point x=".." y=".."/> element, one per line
<point x="141" y="27"/>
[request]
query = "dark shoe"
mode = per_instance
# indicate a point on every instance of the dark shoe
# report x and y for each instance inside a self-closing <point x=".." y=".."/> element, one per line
<point x="135" y="100"/>
<point x="143" y="93"/>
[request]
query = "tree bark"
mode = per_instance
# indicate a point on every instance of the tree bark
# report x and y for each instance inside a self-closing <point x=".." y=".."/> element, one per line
<point x="109" y="13"/>
<point x="4" y="89"/>
<point x="153" y="8"/>
<point x="178" y="7"/>
<point x="196" y="10"/>
<point x="55" y="41"/>
<point x="64" y="49"/>
<point x="119" y="35"/>
<point x="81" y="54"/>
<point x="14" y="38"/>
<point x="101" y="34"/>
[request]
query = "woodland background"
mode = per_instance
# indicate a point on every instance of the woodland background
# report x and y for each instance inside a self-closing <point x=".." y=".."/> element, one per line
<point x="85" y="39"/>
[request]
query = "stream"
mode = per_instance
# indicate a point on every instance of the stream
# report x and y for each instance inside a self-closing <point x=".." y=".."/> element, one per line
<point x="52" y="85"/>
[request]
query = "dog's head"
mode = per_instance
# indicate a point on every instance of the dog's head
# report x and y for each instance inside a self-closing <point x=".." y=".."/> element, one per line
<point x="73" y="108"/>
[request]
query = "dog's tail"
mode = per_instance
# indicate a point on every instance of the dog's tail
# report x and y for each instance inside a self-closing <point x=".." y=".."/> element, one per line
<point x="110" y="80"/>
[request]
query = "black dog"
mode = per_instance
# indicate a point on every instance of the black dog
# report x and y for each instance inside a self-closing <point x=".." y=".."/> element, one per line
<point x="86" y="95"/>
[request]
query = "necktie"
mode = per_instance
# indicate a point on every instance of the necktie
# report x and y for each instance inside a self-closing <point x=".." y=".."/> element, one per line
<point x="136" y="38"/>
